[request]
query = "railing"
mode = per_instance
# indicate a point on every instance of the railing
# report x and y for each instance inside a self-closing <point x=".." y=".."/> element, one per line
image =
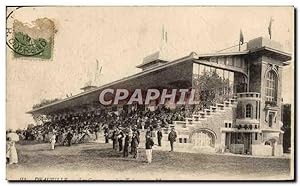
<point x="248" y="95"/>
<point x="247" y="126"/>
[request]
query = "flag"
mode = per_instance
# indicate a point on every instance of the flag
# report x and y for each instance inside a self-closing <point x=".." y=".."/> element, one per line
<point x="166" y="37"/>
<point x="241" y="37"/>
<point x="164" y="34"/>
<point x="97" y="65"/>
<point x="270" y="27"/>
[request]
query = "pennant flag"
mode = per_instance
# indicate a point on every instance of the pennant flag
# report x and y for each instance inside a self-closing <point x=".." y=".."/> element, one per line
<point x="164" y="34"/>
<point x="241" y="37"/>
<point x="97" y="65"/>
<point x="270" y="27"/>
<point x="166" y="37"/>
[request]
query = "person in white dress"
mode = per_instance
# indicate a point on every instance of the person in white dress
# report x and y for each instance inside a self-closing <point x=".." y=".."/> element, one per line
<point x="53" y="141"/>
<point x="12" y="151"/>
<point x="13" y="158"/>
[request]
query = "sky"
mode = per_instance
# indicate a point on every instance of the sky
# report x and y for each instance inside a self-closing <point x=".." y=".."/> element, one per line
<point x="120" y="37"/>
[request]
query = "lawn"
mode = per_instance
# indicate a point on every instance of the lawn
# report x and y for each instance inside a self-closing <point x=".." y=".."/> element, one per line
<point x="96" y="161"/>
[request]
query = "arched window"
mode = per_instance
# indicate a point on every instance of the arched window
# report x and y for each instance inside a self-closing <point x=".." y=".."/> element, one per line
<point x="271" y="88"/>
<point x="240" y="83"/>
<point x="248" y="111"/>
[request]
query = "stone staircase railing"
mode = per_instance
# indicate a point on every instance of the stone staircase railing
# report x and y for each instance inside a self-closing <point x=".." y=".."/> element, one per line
<point x="206" y="113"/>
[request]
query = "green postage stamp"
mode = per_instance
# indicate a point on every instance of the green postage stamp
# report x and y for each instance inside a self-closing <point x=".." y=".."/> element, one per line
<point x="34" y="40"/>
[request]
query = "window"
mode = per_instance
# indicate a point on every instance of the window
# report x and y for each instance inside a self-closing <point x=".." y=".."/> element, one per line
<point x="229" y="61"/>
<point x="213" y="59"/>
<point x="248" y="111"/>
<point x="180" y="140"/>
<point x="185" y="140"/>
<point x="221" y="60"/>
<point x="196" y="69"/>
<point x="271" y="115"/>
<point x="243" y="63"/>
<point x="271" y="88"/>
<point x="255" y="136"/>
<point x="226" y="125"/>
<point x="237" y="62"/>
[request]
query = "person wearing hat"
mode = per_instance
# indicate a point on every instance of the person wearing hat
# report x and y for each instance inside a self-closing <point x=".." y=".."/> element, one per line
<point x="115" y="138"/>
<point x="106" y="134"/>
<point x="135" y="129"/>
<point x="159" y="136"/>
<point x="134" y="144"/>
<point x="126" y="144"/>
<point x="172" y="138"/>
<point x="69" y="137"/>
<point x="12" y="138"/>
<point x="137" y="135"/>
<point x="120" y="139"/>
<point x="149" y="144"/>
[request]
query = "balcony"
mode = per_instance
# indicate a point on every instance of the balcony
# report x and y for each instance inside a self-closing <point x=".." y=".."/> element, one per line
<point x="248" y="95"/>
<point x="247" y="121"/>
<point x="271" y="105"/>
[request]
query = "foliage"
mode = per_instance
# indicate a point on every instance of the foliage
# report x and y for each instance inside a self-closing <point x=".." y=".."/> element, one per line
<point x="45" y="102"/>
<point x="30" y="126"/>
<point x="211" y="88"/>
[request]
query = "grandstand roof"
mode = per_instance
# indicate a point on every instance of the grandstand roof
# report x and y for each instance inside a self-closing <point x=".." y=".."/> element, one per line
<point x="90" y="98"/>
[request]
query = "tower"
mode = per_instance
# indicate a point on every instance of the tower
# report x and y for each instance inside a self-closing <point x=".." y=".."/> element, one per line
<point x="266" y="60"/>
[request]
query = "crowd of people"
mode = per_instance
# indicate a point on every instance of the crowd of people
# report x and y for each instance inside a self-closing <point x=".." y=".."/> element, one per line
<point x="81" y="127"/>
<point x="121" y="127"/>
<point x="123" y="140"/>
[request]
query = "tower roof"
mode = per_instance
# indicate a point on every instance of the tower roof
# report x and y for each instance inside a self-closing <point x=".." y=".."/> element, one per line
<point x="152" y="60"/>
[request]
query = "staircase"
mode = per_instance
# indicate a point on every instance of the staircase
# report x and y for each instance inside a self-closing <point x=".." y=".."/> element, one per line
<point x="211" y="119"/>
<point x="203" y="116"/>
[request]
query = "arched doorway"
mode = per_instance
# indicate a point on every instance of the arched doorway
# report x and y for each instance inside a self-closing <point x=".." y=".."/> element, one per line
<point x="271" y="142"/>
<point x="203" y="138"/>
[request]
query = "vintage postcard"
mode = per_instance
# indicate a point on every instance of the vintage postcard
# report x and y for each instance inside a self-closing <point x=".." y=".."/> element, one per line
<point x="150" y="93"/>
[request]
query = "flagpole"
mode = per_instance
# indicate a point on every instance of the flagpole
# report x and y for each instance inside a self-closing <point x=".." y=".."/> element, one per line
<point x="241" y="40"/>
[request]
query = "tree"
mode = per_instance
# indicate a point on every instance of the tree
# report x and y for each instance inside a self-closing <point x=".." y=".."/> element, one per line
<point x="210" y="89"/>
<point x="45" y="102"/>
